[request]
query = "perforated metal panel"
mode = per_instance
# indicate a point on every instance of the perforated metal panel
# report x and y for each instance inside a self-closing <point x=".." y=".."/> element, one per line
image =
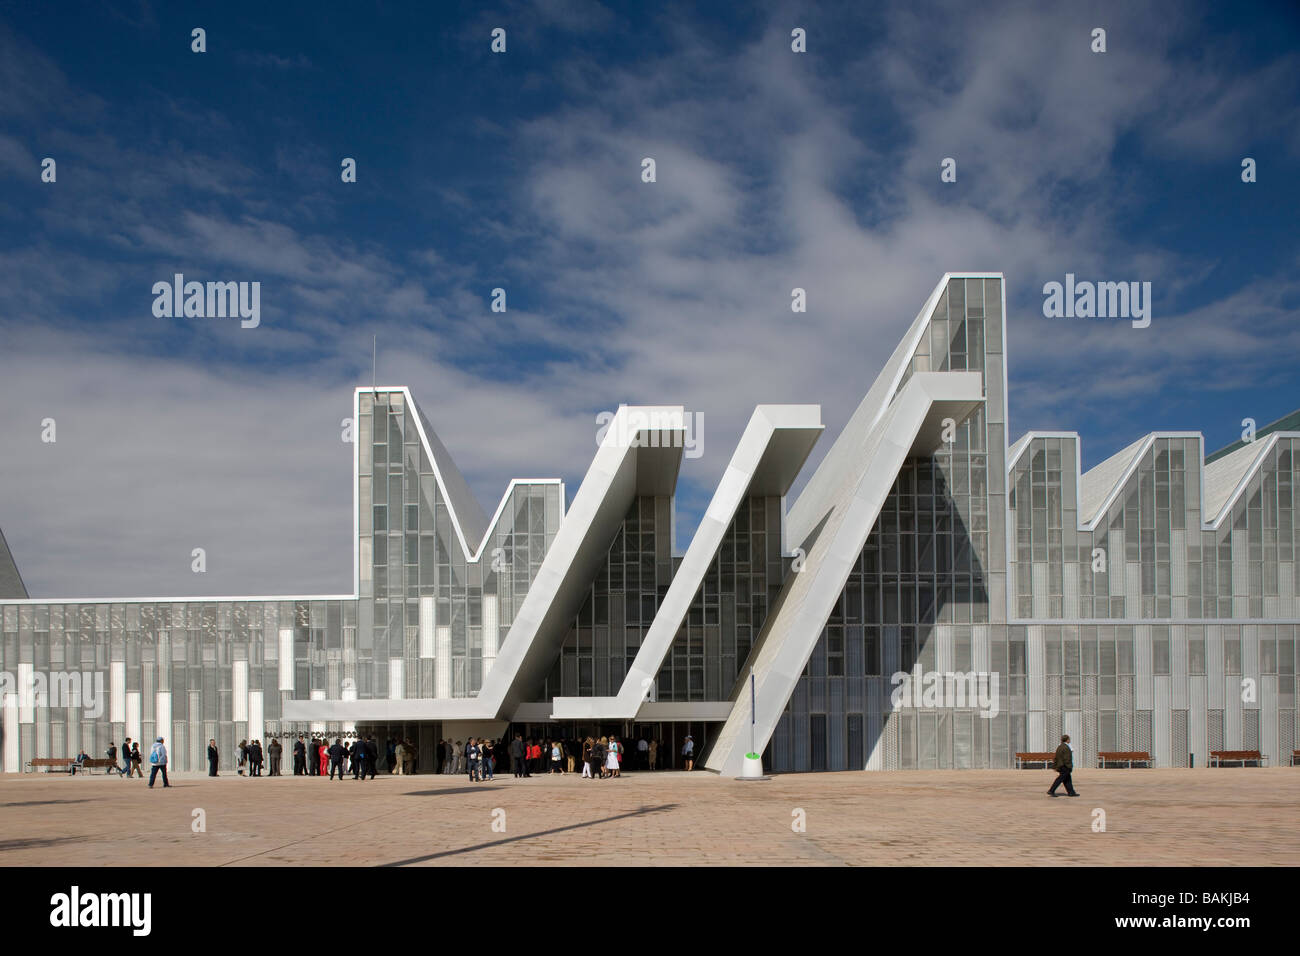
<point x="963" y="744"/>
<point x="1178" y="739"/>
<point x="1142" y="731"/>
<point x="999" y="740"/>
<point x="906" y="741"/>
<point x="1214" y="730"/>
<point x="1124" y="721"/>
<point x="893" y="760"/>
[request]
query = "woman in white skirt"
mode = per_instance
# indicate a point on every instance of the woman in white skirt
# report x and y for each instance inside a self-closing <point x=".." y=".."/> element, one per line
<point x="611" y="756"/>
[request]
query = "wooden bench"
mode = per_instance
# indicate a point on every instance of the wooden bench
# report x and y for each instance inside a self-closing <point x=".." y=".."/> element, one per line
<point x="1025" y="759"/>
<point x="65" y="764"/>
<point x="50" y="764"/>
<point x="1219" y="757"/>
<point x="1126" y="757"/>
<point x="99" y="763"/>
<point x="1295" y="758"/>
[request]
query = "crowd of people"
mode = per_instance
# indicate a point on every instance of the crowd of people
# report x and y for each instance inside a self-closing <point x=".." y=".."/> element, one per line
<point x="602" y="758"/>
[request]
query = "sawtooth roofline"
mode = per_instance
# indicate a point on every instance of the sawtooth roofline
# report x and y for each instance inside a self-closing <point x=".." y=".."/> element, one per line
<point x="1240" y="466"/>
<point x="462" y="507"/>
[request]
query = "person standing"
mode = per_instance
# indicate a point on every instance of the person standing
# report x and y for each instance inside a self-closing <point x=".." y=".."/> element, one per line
<point x="255" y="758"/>
<point x="688" y="752"/>
<point x="213" y="755"/>
<point x="336" y="754"/>
<point x="471" y="758"/>
<point x="1063" y="764"/>
<point x="391" y="746"/>
<point x="642" y="754"/>
<point x="615" y="752"/>
<point x="517" y="755"/>
<point x="323" y="757"/>
<point x="158" y="761"/>
<point x="586" y="758"/>
<point x="490" y="759"/>
<point x="275" y="749"/>
<point x="653" y="753"/>
<point x="299" y="757"/>
<point x="399" y="754"/>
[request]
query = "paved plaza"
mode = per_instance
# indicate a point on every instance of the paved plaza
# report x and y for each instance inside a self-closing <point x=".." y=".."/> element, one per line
<point x="915" y="818"/>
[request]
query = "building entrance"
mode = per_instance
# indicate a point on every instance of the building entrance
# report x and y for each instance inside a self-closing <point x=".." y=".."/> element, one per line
<point x="669" y="738"/>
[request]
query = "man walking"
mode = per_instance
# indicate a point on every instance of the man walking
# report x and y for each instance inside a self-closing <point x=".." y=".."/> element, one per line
<point x="158" y="761"/>
<point x="126" y="756"/>
<point x="357" y="754"/>
<point x="1063" y="764"/>
<point x="372" y="757"/>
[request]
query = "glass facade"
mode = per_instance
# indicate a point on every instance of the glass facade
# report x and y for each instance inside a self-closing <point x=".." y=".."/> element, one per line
<point x="425" y="602"/>
<point x="427" y="623"/>
<point x="1146" y="649"/>
<point x="713" y="642"/>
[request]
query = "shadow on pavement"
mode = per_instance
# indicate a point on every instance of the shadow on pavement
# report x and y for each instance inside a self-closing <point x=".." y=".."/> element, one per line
<point x="530" y="836"/>
<point x="34" y="842"/>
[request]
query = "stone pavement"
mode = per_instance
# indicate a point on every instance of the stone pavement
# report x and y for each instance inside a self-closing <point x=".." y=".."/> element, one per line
<point x="967" y="817"/>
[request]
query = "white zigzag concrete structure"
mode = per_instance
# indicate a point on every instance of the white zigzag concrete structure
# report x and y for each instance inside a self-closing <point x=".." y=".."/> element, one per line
<point x="1127" y="605"/>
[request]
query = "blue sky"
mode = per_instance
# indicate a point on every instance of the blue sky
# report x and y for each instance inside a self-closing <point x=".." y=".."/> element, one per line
<point x="521" y="170"/>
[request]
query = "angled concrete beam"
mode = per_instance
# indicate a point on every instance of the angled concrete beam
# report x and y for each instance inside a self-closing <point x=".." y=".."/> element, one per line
<point x="848" y="509"/>
<point x="772" y="449"/>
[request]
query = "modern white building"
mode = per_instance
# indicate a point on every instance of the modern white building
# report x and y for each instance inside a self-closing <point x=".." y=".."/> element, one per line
<point x="1147" y="604"/>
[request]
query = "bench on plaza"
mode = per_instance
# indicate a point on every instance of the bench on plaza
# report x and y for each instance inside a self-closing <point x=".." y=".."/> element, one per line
<point x="1023" y="760"/>
<point x="1126" y="757"/>
<point x="99" y="763"/>
<point x="65" y="764"/>
<point x="1219" y="757"/>
<point x="1295" y="758"/>
<point x="50" y="764"/>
